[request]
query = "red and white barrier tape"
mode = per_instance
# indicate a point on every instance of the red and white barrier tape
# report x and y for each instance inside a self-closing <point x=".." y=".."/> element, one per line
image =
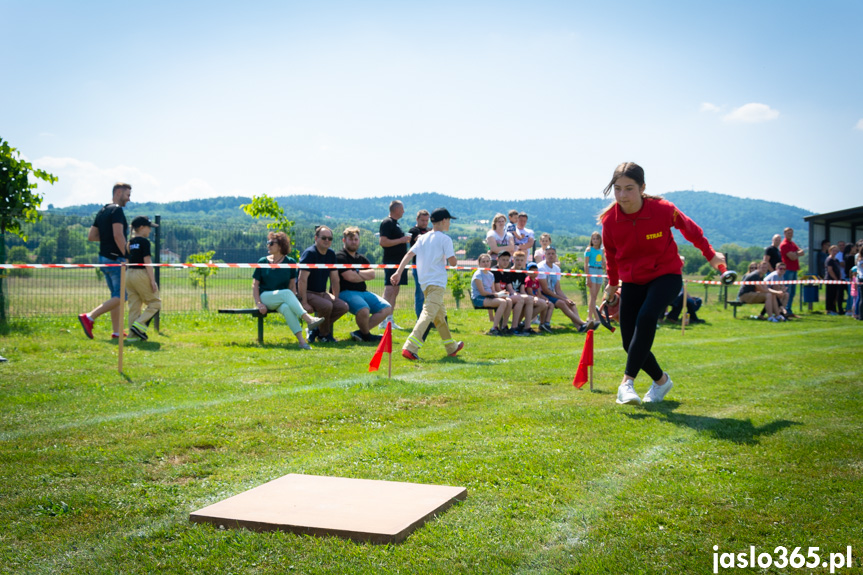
<point x="384" y="266"/>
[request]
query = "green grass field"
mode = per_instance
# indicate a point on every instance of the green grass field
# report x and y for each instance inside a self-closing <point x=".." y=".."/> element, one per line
<point x="759" y="444"/>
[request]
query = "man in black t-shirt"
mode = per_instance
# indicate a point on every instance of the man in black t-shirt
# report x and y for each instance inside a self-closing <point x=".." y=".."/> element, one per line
<point x="368" y="308"/>
<point x="110" y="229"/>
<point x="771" y="253"/>
<point x="395" y="244"/>
<point x="312" y="286"/>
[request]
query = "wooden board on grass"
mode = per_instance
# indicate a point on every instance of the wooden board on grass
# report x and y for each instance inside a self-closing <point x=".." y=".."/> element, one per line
<point x="357" y="509"/>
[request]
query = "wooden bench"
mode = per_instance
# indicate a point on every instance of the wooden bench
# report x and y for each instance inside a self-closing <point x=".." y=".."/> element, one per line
<point x="254" y="313"/>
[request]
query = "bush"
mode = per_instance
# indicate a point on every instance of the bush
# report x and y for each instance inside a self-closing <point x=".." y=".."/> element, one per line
<point x="20" y="255"/>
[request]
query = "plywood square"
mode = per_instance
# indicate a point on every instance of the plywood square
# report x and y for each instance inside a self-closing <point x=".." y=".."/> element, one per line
<point x="358" y="509"/>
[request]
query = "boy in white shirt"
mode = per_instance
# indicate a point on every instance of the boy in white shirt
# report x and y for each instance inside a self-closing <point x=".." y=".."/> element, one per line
<point x="434" y="251"/>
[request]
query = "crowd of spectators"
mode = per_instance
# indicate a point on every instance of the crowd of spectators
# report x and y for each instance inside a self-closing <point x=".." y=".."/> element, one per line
<point x="841" y="262"/>
<point x="517" y="280"/>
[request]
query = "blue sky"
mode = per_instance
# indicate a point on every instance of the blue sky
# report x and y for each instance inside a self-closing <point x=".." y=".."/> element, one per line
<point x="504" y="100"/>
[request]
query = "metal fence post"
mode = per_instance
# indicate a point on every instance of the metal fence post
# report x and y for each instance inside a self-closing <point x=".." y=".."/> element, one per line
<point x="157" y="258"/>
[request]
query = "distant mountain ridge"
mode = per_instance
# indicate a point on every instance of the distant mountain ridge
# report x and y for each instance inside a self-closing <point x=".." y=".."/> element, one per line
<point x="725" y="219"/>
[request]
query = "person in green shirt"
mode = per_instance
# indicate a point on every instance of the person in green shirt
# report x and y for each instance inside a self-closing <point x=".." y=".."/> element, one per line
<point x="273" y="288"/>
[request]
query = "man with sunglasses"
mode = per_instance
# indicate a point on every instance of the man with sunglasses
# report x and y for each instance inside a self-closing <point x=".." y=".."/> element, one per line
<point x="312" y="286"/>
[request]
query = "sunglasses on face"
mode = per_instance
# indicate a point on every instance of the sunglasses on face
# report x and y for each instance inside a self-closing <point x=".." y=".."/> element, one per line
<point x="326" y="238"/>
<point x="271" y="242"/>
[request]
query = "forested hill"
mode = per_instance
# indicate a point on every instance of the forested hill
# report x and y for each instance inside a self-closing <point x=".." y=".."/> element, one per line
<point x="725" y="219"/>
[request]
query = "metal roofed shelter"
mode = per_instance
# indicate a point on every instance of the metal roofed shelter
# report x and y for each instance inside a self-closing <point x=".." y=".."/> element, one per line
<point x="844" y="225"/>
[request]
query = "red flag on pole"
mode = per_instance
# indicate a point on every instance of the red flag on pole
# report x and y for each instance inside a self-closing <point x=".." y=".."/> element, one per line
<point x="581" y="375"/>
<point x="385" y="346"/>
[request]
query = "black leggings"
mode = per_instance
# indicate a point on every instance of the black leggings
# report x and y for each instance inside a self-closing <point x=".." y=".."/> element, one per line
<point x="641" y="306"/>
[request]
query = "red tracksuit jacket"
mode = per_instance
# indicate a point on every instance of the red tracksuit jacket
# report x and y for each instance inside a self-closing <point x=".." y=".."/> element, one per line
<point x="640" y="247"/>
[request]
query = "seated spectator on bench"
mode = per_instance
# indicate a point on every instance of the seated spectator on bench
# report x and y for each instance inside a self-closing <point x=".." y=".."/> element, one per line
<point x="312" y="286"/>
<point x="483" y="296"/>
<point x="273" y="288"/>
<point x="368" y="308"/>
<point x="761" y="293"/>
<point x="541" y="303"/>
<point x="549" y="280"/>
<point x="533" y="306"/>
<point x="503" y="284"/>
<point x="776" y="276"/>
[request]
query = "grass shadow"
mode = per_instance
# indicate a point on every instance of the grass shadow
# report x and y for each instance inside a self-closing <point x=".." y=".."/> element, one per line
<point x="144" y="345"/>
<point x="740" y="431"/>
<point x="17" y="327"/>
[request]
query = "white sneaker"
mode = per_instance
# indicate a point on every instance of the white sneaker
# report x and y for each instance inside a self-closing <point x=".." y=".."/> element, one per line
<point x="626" y="393"/>
<point x="656" y="393"/>
<point x="385" y="322"/>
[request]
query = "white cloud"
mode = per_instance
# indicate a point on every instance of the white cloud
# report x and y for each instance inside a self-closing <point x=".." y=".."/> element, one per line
<point x="83" y="182"/>
<point x="708" y="107"/>
<point x="752" y="113"/>
<point x="859" y="125"/>
<point x="196" y="188"/>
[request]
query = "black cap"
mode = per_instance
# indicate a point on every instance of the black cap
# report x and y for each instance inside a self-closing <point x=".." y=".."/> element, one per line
<point x="143" y="221"/>
<point x="441" y="214"/>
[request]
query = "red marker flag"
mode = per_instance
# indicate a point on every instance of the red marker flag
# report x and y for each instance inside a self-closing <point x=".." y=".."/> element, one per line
<point x="581" y="375"/>
<point x="385" y="346"/>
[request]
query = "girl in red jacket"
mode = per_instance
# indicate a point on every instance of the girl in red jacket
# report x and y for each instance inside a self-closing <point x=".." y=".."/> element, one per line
<point x="641" y="253"/>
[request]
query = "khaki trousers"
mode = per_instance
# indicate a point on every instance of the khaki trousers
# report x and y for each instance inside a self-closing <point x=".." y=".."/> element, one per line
<point x="433" y="312"/>
<point x="140" y="292"/>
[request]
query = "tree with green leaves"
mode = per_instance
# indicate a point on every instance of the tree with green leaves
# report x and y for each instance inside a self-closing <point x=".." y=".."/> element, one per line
<point x="199" y="275"/>
<point x="459" y="284"/>
<point x="474" y="247"/>
<point x="264" y="206"/>
<point x="19" y="202"/>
